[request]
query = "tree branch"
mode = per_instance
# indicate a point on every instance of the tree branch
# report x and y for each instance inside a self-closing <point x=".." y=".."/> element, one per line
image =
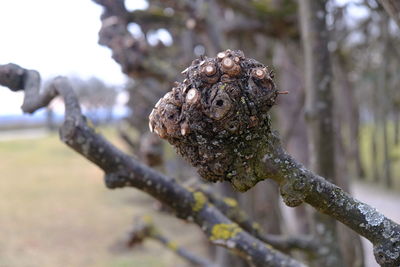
<point x="133" y="54"/>
<point x="232" y="210"/>
<point x="145" y="228"/>
<point x="122" y="171"/>
<point x="217" y="118"/>
<point x="298" y="185"/>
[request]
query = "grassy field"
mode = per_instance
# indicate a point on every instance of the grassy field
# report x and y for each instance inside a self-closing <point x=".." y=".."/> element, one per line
<point x="56" y="211"/>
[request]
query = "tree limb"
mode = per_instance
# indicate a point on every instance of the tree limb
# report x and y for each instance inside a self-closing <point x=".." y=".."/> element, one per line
<point x="145" y="228"/>
<point x="231" y="209"/>
<point x="221" y="139"/>
<point x="123" y="171"/>
<point x="298" y="185"/>
<point x="133" y="54"/>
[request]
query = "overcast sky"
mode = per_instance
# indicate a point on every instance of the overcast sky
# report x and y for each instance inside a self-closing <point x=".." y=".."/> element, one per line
<point x="55" y="37"/>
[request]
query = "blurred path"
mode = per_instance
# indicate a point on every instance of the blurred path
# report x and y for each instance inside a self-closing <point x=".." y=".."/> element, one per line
<point x="384" y="201"/>
<point x="8" y="135"/>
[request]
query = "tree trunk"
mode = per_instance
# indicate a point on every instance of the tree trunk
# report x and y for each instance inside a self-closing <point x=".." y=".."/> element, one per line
<point x="350" y="243"/>
<point x="319" y="112"/>
<point x="387" y="165"/>
<point x="396" y="126"/>
<point x="50" y="123"/>
<point x="374" y="150"/>
<point x="291" y="122"/>
<point x="262" y="204"/>
<point x="347" y="108"/>
<point x="384" y="103"/>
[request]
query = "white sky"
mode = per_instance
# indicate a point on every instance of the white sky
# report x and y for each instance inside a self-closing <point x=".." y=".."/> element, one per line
<point x="55" y="37"/>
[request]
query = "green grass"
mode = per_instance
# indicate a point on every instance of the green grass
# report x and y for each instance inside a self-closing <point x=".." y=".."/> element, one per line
<point x="366" y="153"/>
<point x="56" y="211"/>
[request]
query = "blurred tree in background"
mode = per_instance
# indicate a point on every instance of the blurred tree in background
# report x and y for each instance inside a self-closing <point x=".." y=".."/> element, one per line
<point x="96" y="97"/>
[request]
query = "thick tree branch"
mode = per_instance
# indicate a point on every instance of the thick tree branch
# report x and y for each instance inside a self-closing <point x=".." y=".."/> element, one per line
<point x="298" y="185"/>
<point x="271" y="18"/>
<point x="133" y="54"/>
<point x="122" y="171"/>
<point x="232" y="210"/>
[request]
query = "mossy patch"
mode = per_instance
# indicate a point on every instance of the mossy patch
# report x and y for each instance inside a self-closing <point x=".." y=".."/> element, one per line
<point x="224" y="231"/>
<point x="199" y="201"/>
<point x="172" y="245"/>
<point x="147" y="219"/>
<point x="230" y="202"/>
<point x="256" y="227"/>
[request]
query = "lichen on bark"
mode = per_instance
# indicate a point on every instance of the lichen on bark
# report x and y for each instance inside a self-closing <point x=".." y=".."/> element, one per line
<point x="200" y="201"/>
<point x="224" y="231"/>
<point x="217" y="118"/>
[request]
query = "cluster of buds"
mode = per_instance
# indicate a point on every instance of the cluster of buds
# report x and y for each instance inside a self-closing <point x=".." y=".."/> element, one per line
<point x="217" y="118"/>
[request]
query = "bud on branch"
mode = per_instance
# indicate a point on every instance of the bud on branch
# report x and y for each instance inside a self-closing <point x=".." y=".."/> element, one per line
<point x="217" y="118"/>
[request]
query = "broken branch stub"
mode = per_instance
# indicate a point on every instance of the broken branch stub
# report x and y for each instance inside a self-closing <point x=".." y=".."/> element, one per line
<point x="217" y="118"/>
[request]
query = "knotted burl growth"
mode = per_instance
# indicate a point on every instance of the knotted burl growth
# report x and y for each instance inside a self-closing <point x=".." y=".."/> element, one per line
<point x="217" y="118"/>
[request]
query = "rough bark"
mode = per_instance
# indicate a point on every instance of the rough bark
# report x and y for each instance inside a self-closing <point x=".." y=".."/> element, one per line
<point x="299" y="185"/>
<point x="233" y="211"/>
<point x="217" y="114"/>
